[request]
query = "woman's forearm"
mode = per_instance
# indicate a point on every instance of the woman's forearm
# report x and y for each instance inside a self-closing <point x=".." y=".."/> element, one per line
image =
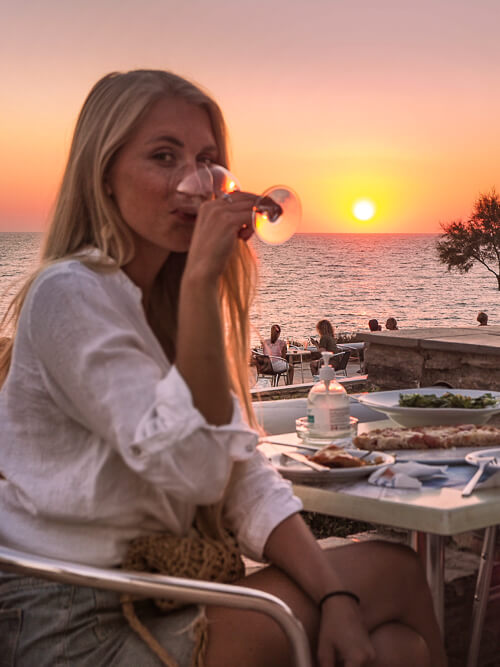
<point x="200" y="356"/>
<point x="292" y="547"/>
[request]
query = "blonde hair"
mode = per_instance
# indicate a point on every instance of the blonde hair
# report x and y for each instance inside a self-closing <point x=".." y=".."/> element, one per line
<point x="84" y="216"/>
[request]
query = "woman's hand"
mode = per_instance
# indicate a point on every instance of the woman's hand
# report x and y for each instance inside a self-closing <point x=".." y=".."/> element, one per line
<point x="219" y="223"/>
<point x="342" y="634"/>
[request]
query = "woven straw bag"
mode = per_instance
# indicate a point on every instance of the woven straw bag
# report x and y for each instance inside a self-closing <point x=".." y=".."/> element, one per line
<point x="209" y="553"/>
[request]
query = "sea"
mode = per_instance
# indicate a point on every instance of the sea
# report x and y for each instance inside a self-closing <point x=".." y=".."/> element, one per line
<point x="346" y="278"/>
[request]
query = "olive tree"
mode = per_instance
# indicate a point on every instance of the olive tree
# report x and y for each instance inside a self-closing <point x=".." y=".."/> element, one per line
<point x="477" y="240"/>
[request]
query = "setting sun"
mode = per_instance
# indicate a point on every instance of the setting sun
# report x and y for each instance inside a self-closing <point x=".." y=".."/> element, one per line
<point x="363" y="209"/>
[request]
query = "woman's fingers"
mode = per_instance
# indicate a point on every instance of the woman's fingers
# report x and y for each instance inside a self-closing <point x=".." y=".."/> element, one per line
<point x="219" y="224"/>
<point x="342" y="632"/>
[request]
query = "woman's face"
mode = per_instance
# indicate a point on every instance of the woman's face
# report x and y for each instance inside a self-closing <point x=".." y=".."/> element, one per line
<point x="173" y="139"/>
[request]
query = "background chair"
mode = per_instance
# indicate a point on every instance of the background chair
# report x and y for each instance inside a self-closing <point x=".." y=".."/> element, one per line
<point x="339" y="361"/>
<point x="341" y="365"/>
<point x="158" y="586"/>
<point x="274" y="375"/>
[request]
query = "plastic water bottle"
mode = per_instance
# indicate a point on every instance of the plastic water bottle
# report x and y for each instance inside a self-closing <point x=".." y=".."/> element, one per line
<point x="328" y="406"/>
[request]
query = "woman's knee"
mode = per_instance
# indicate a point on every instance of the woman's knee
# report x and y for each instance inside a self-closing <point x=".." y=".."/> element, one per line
<point x="398" y="557"/>
<point x="397" y="644"/>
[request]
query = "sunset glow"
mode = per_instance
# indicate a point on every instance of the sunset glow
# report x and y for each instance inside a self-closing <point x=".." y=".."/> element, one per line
<point x="407" y="124"/>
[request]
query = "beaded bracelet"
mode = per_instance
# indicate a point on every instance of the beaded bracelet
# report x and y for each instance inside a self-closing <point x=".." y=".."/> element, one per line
<point x="332" y="594"/>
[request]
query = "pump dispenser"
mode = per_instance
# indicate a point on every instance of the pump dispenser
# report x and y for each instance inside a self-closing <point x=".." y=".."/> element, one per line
<point x="328" y="406"/>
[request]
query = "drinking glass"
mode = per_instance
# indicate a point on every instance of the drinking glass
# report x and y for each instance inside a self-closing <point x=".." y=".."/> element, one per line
<point x="276" y="213"/>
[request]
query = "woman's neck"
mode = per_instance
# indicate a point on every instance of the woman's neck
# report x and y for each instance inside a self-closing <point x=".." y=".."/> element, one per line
<point x="143" y="270"/>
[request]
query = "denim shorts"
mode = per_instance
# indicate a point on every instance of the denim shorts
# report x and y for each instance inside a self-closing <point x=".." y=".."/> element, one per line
<point x="48" y="624"/>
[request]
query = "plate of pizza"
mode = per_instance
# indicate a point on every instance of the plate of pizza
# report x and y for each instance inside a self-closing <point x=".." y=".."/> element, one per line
<point x="434" y="405"/>
<point x="443" y="444"/>
<point x="340" y="465"/>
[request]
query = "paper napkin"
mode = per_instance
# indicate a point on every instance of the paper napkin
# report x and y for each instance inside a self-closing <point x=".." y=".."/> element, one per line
<point x="406" y="475"/>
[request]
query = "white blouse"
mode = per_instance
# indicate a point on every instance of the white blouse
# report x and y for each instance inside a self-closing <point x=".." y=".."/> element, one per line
<point x="100" y="440"/>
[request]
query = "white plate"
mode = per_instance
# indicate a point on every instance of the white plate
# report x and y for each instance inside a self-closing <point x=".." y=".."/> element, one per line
<point x="452" y="456"/>
<point x="474" y="457"/>
<point x="297" y="472"/>
<point x="388" y="403"/>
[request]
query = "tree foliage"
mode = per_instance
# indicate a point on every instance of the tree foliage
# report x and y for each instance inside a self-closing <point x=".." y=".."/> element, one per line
<point x="477" y="240"/>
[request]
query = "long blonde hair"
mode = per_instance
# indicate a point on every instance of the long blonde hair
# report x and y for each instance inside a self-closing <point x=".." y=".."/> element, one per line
<point x="84" y="216"/>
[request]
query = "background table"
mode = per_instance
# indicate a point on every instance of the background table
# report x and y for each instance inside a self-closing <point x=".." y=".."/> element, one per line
<point x="294" y="355"/>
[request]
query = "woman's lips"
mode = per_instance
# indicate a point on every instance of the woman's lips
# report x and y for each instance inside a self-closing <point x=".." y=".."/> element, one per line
<point x="186" y="215"/>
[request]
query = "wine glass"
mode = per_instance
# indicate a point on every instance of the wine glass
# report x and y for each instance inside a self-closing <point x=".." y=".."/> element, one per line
<point x="276" y="214"/>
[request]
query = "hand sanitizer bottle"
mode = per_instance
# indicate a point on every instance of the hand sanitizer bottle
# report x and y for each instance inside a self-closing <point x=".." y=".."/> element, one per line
<point x="328" y="406"/>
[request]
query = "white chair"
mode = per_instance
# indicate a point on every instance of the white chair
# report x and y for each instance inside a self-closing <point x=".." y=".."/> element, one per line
<point x="279" y="416"/>
<point x="156" y="586"/>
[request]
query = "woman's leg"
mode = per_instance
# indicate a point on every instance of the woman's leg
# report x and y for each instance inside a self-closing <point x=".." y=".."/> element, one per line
<point x="394" y="597"/>
<point x="314" y="366"/>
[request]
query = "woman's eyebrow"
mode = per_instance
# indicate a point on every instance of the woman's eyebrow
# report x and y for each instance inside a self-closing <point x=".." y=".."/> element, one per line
<point x="177" y="142"/>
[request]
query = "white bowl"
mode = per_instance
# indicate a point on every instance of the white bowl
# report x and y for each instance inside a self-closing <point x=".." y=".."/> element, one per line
<point x="387" y="402"/>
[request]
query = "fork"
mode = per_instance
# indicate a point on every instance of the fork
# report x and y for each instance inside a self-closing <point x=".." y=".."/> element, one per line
<point x="484" y="462"/>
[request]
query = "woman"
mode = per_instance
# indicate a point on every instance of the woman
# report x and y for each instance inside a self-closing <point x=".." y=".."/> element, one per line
<point x="118" y="423"/>
<point x="275" y="350"/>
<point x="327" y="343"/>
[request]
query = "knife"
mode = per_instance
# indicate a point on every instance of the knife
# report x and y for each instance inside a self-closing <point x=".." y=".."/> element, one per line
<point x="303" y="459"/>
<point x="313" y="448"/>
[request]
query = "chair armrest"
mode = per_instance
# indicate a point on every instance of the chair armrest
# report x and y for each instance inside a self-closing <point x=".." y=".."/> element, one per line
<point x="153" y="585"/>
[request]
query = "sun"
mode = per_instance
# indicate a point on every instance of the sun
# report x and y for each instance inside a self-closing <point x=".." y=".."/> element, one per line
<point x="363" y="209"/>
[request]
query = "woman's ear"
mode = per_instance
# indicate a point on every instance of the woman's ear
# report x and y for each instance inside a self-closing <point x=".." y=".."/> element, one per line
<point x="107" y="189"/>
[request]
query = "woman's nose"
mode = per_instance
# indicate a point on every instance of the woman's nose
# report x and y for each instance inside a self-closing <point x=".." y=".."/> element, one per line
<point x="197" y="183"/>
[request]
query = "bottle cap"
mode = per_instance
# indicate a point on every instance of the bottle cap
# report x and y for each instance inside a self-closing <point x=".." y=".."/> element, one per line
<point x="326" y="372"/>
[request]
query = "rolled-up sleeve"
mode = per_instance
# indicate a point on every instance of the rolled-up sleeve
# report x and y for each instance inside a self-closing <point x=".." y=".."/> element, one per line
<point x="175" y="446"/>
<point x="258" y="499"/>
<point x="100" y="367"/>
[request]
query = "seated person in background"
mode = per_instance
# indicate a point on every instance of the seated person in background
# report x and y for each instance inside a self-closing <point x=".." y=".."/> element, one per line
<point x="391" y="324"/>
<point x="374" y="325"/>
<point x="275" y="347"/>
<point x="482" y="318"/>
<point x="327" y="343"/>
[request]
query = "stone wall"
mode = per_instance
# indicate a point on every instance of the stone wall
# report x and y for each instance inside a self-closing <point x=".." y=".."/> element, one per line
<point x="394" y="367"/>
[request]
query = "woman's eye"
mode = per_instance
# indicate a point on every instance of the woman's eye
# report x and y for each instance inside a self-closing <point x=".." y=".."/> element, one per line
<point x="164" y="156"/>
<point x="209" y="161"/>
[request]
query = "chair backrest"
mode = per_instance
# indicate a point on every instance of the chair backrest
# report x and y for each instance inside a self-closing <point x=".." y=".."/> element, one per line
<point x="174" y="588"/>
<point x="279" y="416"/>
<point x="342" y="364"/>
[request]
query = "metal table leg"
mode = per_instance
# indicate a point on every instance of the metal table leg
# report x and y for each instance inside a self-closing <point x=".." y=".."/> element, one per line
<point x="431" y="549"/>
<point x="481" y="594"/>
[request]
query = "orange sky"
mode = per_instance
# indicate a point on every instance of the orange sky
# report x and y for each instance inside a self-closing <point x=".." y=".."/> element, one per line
<point x="393" y="101"/>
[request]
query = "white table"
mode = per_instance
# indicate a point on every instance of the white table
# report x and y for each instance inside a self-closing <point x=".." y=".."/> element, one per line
<point x="431" y="514"/>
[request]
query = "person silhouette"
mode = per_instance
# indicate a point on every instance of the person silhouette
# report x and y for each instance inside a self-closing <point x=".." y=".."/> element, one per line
<point x="482" y="318"/>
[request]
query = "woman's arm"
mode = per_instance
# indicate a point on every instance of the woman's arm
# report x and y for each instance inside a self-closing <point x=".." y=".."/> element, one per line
<point x="292" y="547"/>
<point x="204" y="367"/>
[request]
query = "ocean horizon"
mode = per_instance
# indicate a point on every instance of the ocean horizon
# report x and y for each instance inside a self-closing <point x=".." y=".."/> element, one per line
<point x="347" y="278"/>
